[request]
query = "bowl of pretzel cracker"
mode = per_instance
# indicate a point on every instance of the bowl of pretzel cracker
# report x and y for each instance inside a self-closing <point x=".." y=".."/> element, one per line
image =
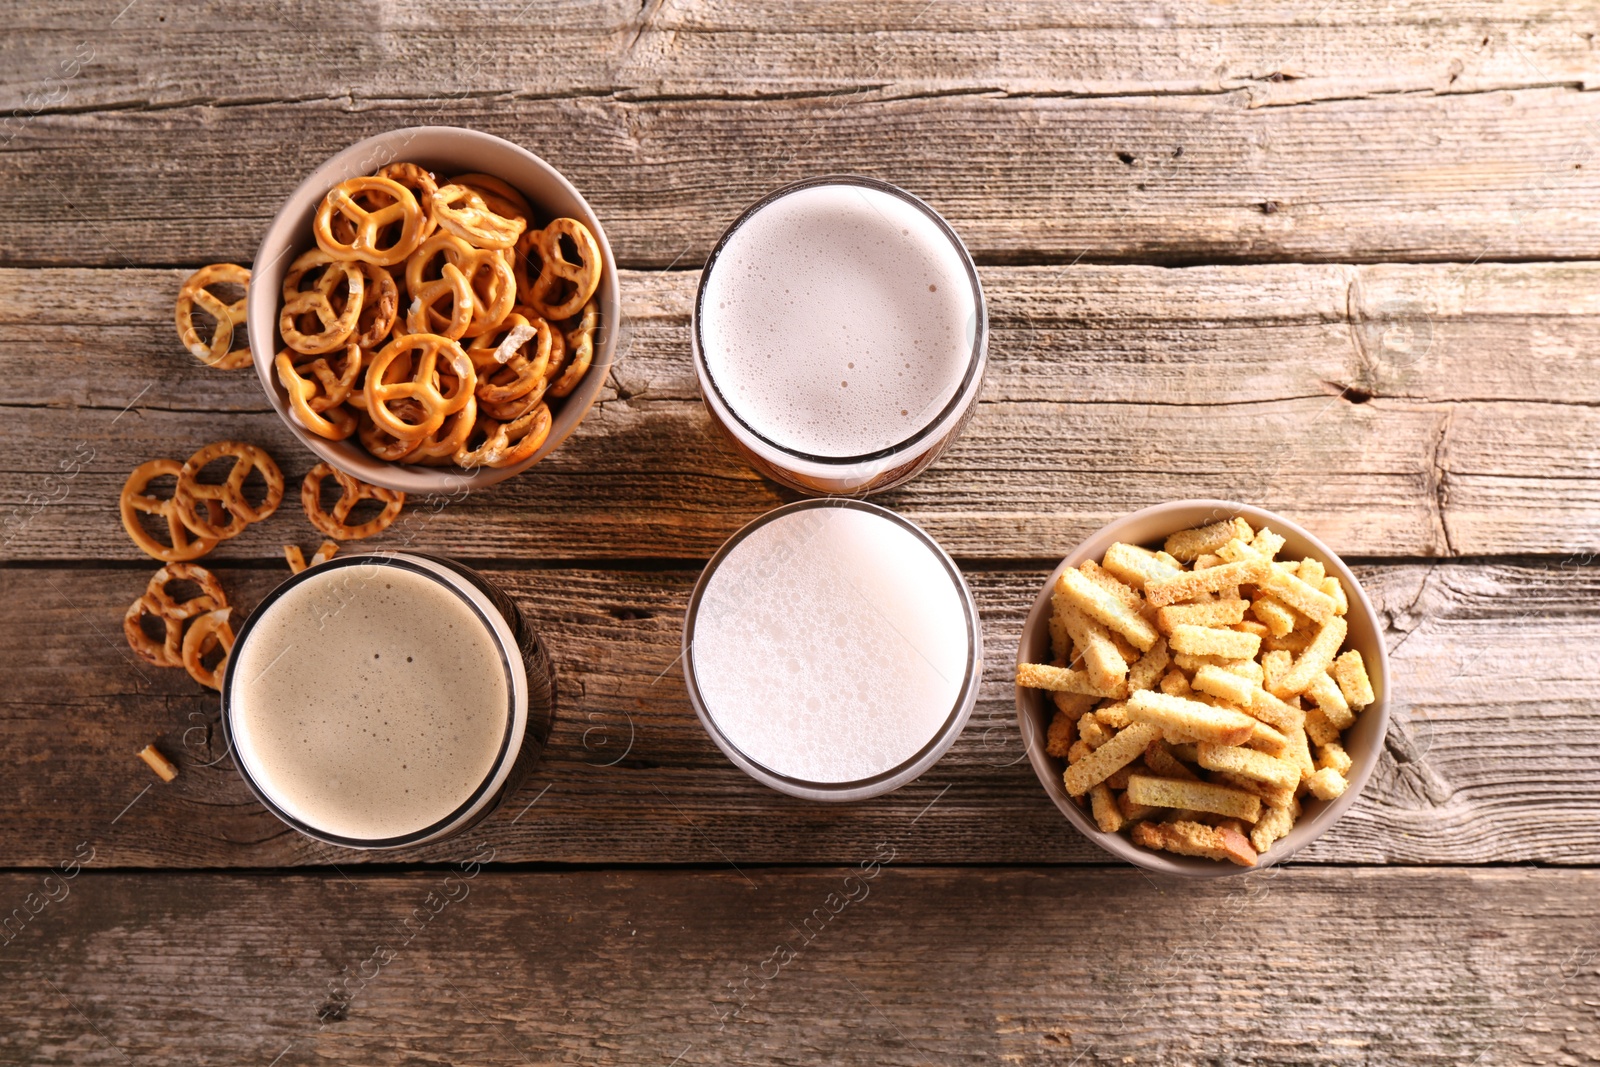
<point x="1201" y="687"/>
<point x="433" y="310"/>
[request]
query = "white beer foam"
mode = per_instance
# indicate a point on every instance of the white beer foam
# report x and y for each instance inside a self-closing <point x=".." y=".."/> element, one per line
<point x="371" y="702"/>
<point x="838" y="320"/>
<point x="830" y="645"/>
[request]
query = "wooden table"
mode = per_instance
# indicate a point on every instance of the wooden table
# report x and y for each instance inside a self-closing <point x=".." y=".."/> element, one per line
<point x="1338" y="259"/>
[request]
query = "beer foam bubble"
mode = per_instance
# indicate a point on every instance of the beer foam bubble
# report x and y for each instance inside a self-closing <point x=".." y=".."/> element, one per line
<point x="838" y="320"/>
<point x="830" y="645"/>
<point x="369" y="702"/>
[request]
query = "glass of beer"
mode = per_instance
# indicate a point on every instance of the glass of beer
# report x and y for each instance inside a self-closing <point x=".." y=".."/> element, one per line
<point x="386" y="700"/>
<point x="840" y="335"/>
<point x="832" y="650"/>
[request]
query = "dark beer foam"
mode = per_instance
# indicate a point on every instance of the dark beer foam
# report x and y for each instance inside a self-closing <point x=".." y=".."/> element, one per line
<point x="369" y="703"/>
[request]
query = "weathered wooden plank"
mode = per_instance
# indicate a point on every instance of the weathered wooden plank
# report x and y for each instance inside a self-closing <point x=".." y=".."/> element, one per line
<point x="1490" y="758"/>
<point x="84" y="55"/>
<point x="1109" y="388"/>
<point x="807" y="966"/>
<point x="1498" y="175"/>
<point x="1233" y="334"/>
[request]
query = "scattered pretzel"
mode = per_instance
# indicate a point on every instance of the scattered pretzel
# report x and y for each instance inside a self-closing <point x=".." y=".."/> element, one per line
<point x="165" y="769"/>
<point x="297" y="559"/>
<point x="219" y="353"/>
<point x="228" y="494"/>
<point x="370" y="223"/>
<point x="557" y="274"/>
<point x="184" y="545"/>
<point x="157" y="603"/>
<point x="352" y="493"/>
<point x="206" y="634"/>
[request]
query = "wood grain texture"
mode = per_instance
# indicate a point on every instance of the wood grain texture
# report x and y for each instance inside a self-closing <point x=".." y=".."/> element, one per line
<point x="1337" y="967"/>
<point x="82" y="56"/>
<point x="1490" y="756"/>
<point x="1395" y="410"/>
<point x="1501" y="175"/>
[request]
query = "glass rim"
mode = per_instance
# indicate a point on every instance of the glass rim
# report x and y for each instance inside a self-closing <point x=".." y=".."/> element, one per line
<point x="856" y="788"/>
<point x="415" y="565"/>
<point x="980" y="311"/>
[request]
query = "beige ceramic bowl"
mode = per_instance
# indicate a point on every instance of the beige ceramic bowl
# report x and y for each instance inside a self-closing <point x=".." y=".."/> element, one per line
<point x="446" y="150"/>
<point x="1364" y="740"/>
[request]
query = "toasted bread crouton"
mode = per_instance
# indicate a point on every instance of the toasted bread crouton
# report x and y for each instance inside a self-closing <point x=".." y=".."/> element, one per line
<point x="1103" y="805"/>
<point x="1135" y="566"/>
<point x="1093" y="732"/>
<point x="1103" y="663"/>
<point x="1162" y="763"/>
<point x="1164" y="591"/>
<point x="1073" y="705"/>
<point x="1315" y="660"/>
<point x="1106" y="608"/>
<point x="1324" y="692"/>
<point x="1264" y="738"/>
<point x="1175" y="683"/>
<point x="1225" y="684"/>
<point x="1120" y="751"/>
<point x="1250" y="763"/>
<point x="1308" y="600"/>
<point x="1326" y="784"/>
<point x="1267" y="542"/>
<point x="1059" y="738"/>
<point x="1351" y="674"/>
<point x="1195" y="839"/>
<point x="1274" y="614"/>
<point x="1269" y="794"/>
<point x="1299" y="751"/>
<point x="1201" y="796"/>
<point x="1335" y="589"/>
<point x="1274" y="665"/>
<point x="1333" y="755"/>
<point x="1190" y="544"/>
<point x="1272" y="826"/>
<point x="1134" y="812"/>
<point x="1113" y="714"/>
<point x="1190" y="718"/>
<point x="1206" y="641"/>
<point x="1212" y="613"/>
<point x="1278" y="714"/>
<point x="1319" y="731"/>
<point x="1150" y="666"/>
<point x="1112" y="584"/>
<point x="1118" y="779"/>
<point x="1060" y="679"/>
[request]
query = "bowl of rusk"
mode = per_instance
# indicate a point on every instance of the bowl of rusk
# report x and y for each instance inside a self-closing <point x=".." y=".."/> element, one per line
<point x="1201" y="687"/>
<point x="433" y="310"/>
